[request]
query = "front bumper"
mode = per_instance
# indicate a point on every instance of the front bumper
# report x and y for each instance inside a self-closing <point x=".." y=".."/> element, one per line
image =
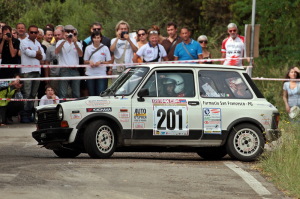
<point x="52" y="135"/>
<point x="272" y="134"/>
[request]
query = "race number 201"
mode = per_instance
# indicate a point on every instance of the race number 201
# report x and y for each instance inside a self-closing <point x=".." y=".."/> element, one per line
<point x="170" y="120"/>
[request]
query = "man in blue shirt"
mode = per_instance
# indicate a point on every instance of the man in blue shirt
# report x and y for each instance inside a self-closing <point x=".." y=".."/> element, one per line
<point x="188" y="49"/>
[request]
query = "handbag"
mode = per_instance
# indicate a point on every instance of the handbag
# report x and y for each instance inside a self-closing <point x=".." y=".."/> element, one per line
<point x="121" y="68"/>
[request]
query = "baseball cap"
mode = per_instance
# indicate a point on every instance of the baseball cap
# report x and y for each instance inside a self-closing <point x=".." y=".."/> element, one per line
<point x="69" y="27"/>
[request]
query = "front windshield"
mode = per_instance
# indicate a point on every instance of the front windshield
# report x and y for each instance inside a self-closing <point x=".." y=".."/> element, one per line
<point x="127" y="81"/>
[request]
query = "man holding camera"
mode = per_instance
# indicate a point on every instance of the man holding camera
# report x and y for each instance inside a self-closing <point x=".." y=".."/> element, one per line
<point x="123" y="47"/>
<point x="69" y="50"/>
<point x="9" y="47"/>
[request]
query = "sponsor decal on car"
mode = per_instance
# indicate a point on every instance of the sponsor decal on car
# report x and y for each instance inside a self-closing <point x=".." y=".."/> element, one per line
<point x="103" y="109"/>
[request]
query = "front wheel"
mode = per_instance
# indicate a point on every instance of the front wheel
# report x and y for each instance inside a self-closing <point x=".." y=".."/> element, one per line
<point x="245" y="142"/>
<point x="100" y="139"/>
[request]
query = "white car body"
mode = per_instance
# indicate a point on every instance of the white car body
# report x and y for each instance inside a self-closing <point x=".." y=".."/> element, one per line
<point x="139" y="114"/>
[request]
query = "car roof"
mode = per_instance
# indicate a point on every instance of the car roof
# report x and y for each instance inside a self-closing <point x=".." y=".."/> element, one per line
<point x="206" y="66"/>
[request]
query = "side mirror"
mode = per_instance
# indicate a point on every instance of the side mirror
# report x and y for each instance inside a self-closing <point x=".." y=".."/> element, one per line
<point x="142" y="93"/>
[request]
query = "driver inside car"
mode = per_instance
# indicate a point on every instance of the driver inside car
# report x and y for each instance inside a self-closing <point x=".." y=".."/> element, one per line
<point x="172" y="86"/>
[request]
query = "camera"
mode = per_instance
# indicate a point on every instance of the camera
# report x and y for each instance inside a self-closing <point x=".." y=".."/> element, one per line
<point x="123" y="33"/>
<point x="70" y="35"/>
<point x="8" y="35"/>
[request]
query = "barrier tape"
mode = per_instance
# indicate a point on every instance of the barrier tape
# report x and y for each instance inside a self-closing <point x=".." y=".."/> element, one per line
<point x="62" y="78"/>
<point x="25" y="100"/>
<point x="129" y="64"/>
<point x="275" y="79"/>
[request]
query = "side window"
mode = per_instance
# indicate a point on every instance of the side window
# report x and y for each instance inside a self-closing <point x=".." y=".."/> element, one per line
<point x="179" y="83"/>
<point x="223" y="84"/>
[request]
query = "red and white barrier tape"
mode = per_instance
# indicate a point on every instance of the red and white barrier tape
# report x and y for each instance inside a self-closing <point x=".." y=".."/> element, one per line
<point x="25" y="100"/>
<point x="62" y="78"/>
<point x="275" y="79"/>
<point x="129" y="64"/>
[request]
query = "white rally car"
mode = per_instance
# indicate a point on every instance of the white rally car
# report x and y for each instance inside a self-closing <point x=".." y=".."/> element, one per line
<point x="213" y="110"/>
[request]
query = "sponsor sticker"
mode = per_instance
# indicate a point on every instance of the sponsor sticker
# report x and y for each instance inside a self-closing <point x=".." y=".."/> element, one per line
<point x="103" y="109"/>
<point x="212" y="121"/>
<point x="75" y="116"/>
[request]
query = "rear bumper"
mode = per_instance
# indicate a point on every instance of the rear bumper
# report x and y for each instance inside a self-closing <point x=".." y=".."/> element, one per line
<point x="272" y="134"/>
<point x="46" y="136"/>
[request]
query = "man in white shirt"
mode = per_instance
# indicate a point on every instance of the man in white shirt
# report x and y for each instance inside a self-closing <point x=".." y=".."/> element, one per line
<point x="233" y="46"/>
<point x="119" y="44"/>
<point x="31" y="54"/>
<point x="69" y="50"/>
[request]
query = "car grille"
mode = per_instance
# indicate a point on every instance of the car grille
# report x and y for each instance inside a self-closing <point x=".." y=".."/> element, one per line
<point x="47" y="116"/>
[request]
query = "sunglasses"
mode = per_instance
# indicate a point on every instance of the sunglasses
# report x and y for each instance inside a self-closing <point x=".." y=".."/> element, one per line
<point x="232" y="30"/>
<point x="203" y="42"/>
<point x="97" y="29"/>
<point x="69" y="31"/>
<point x="153" y="32"/>
<point x="33" y="32"/>
<point x="143" y="34"/>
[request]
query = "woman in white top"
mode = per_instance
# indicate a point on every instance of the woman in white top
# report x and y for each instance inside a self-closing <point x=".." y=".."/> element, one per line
<point x="291" y="89"/>
<point x="153" y="51"/>
<point x="96" y="55"/>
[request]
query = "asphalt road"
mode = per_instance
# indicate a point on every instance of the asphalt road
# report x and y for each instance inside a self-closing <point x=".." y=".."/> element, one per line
<point x="28" y="171"/>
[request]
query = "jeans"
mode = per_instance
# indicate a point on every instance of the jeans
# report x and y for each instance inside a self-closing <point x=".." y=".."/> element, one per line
<point x="96" y="86"/>
<point x="30" y="89"/>
<point x="63" y="84"/>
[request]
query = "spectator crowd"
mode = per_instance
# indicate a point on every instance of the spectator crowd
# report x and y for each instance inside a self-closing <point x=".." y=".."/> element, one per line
<point x="59" y="45"/>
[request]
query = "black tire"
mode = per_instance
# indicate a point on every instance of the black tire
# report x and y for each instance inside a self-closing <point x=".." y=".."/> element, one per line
<point x="212" y="153"/>
<point x="66" y="153"/>
<point x="96" y="147"/>
<point x="245" y="142"/>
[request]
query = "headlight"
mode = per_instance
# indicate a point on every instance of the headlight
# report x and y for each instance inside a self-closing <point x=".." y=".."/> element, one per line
<point x="60" y="113"/>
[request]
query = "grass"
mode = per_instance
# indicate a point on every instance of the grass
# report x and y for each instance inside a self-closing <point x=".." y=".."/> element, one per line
<point x="282" y="163"/>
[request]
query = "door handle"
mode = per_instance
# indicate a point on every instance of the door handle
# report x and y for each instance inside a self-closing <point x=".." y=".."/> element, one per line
<point x="193" y="103"/>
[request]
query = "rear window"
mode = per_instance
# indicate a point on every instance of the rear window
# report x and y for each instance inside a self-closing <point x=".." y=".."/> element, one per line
<point x="223" y="84"/>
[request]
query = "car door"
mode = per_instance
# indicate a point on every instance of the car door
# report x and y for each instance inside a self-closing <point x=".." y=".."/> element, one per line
<point x="224" y="96"/>
<point x="167" y="114"/>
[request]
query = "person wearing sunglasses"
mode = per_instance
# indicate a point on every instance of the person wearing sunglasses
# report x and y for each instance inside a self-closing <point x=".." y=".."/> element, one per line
<point x="233" y="47"/>
<point x="202" y="39"/>
<point x="97" y="27"/>
<point x="141" y="38"/>
<point x="31" y="54"/>
<point x="153" y="51"/>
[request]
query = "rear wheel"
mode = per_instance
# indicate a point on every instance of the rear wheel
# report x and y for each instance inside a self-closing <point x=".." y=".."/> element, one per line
<point x="212" y="153"/>
<point x="100" y="139"/>
<point x="66" y="153"/>
<point x="245" y="142"/>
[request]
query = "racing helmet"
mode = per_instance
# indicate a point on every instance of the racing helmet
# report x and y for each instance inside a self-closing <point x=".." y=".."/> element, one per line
<point x="177" y="80"/>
